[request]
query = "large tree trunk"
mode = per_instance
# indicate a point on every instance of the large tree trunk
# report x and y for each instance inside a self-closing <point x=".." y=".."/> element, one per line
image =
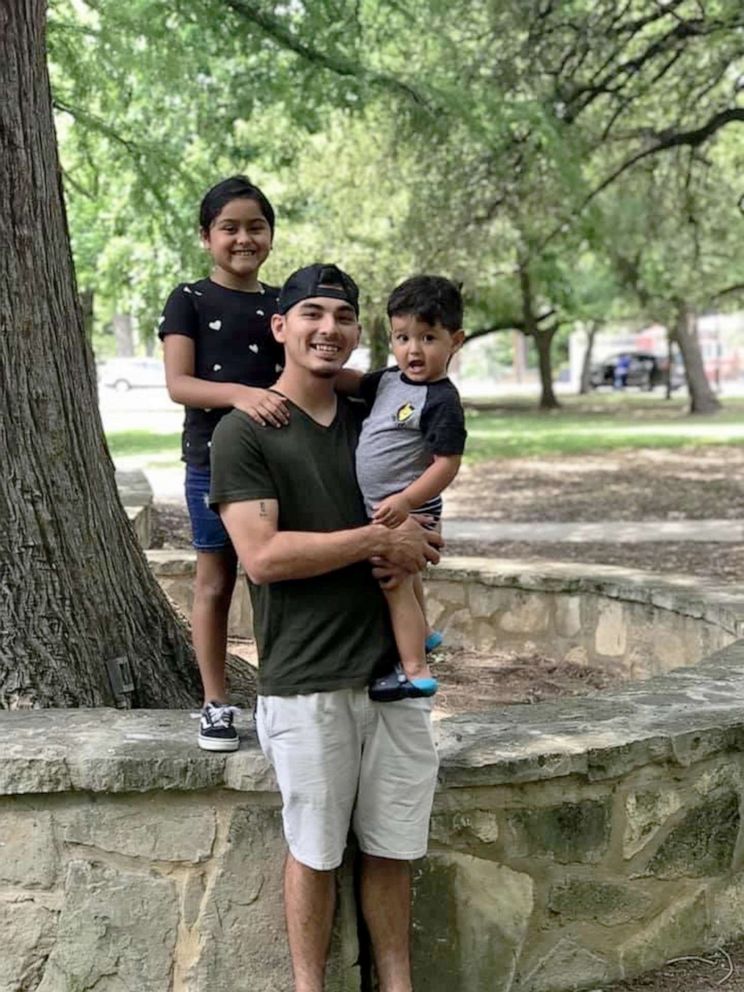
<point x="586" y="365"/>
<point x="702" y="397"/>
<point x="543" y="339"/>
<point x="77" y="599"/>
<point x="544" y="344"/>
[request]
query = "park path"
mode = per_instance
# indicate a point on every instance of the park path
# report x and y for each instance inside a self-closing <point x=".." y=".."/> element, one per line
<point x="610" y="532"/>
<point x="167" y="486"/>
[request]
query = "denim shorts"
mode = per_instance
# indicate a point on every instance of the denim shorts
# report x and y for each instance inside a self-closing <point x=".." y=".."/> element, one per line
<point x="207" y="531"/>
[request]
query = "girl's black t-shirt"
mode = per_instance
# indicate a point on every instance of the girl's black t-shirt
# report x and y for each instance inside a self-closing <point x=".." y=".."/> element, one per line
<point x="231" y="331"/>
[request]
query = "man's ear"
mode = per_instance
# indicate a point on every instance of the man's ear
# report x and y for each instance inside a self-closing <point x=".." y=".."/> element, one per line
<point x="458" y="340"/>
<point x="277" y="327"/>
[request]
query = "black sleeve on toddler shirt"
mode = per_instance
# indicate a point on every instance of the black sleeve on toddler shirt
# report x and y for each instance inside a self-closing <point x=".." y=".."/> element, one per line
<point x="179" y="314"/>
<point x="443" y="420"/>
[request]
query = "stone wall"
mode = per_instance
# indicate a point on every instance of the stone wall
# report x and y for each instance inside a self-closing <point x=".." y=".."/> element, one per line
<point x="622" y="620"/>
<point x="573" y="843"/>
<point x="135" y="493"/>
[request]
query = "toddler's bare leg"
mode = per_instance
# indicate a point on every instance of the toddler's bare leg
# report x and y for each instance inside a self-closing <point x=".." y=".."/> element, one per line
<point x="418" y="588"/>
<point x="409" y="628"/>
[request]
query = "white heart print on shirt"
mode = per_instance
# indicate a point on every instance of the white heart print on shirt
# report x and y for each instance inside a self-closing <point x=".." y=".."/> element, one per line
<point x="215" y="325"/>
<point x="253" y="348"/>
<point x="259" y="313"/>
<point x="216" y="368"/>
<point x="278" y="368"/>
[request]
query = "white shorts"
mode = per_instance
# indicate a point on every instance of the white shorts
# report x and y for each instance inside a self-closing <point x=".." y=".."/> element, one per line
<point x="342" y="760"/>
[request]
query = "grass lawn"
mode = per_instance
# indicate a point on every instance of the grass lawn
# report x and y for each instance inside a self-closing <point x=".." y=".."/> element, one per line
<point x="512" y="427"/>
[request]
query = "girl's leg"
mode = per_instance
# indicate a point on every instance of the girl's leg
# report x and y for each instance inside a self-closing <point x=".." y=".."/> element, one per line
<point x="216" y="568"/>
<point x="409" y="628"/>
<point x="215" y="581"/>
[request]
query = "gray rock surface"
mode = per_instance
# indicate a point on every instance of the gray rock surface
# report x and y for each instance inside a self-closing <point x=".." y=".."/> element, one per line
<point x="106" y="927"/>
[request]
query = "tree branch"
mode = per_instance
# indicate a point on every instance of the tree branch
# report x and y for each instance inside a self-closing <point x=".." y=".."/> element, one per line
<point x="509" y="324"/>
<point x="729" y="291"/>
<point x="338" y="64"/>
<point x="664" y="140"/>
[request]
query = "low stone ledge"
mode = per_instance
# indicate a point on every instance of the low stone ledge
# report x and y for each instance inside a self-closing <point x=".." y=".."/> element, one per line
<point x="135" y="493"/>
<point x="684" y="595"/>
<point x="681" y="717"/>
<point x="636" y="624"/>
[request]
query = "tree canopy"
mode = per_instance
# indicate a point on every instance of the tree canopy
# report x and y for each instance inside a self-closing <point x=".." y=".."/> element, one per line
<point x="506" y="145"/>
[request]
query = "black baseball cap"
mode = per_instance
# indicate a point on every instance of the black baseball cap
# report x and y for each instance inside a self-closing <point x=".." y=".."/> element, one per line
<point x="318" y="280"/>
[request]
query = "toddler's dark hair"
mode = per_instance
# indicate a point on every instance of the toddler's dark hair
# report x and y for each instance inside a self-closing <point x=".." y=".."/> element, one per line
<point x="234" y="188"/>
<point x="433" y="299"/>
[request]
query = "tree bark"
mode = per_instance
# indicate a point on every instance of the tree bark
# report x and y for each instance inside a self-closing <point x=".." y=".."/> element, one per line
<point x="543" y="339"/>
<point x="586" y="365"/>
<point x="670" y="364"/>
<point x="123" y="328"/>
<point x="702" y="398"/>
<point x="544" y="344"/>
<point x="87" y="307"/>
<point x="76" y="595"/>
<point x="379" y="346"/>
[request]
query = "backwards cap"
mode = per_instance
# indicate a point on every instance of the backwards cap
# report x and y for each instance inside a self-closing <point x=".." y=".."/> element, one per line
<point x="318" y="280"/>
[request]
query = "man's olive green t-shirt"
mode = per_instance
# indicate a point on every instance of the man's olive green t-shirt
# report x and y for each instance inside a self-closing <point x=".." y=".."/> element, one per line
<point x="327" y="632"/>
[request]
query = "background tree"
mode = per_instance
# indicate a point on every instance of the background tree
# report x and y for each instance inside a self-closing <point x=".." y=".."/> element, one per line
<point x="501" y="125"/>
<point x="77" y="592"/>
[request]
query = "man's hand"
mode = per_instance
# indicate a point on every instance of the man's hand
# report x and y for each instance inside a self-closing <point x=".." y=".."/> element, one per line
<point x="262" y="405"/>
<point x="389" y="576"/>
<point x="410" y="546"/>
<point x="391" y="512"/>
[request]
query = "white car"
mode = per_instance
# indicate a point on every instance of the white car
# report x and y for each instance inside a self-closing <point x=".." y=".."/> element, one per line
<point x="123" y="374"/>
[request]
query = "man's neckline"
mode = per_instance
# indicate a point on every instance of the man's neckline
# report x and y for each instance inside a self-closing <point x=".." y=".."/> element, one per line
<point x="306" y="413"/>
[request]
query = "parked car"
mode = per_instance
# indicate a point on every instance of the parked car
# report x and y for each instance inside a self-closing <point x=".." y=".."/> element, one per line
<point x="123" y="374"/>
<point x="644" y="370"/>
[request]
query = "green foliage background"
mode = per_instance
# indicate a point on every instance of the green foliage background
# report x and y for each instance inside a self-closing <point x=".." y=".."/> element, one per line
<point x="593" y="145"/>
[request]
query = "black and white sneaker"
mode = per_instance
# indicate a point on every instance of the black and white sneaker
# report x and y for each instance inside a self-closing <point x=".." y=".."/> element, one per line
<point x="216" y="731"/>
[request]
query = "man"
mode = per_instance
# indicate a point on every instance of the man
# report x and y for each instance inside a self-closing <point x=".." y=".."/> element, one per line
<point x="290" y="503"/>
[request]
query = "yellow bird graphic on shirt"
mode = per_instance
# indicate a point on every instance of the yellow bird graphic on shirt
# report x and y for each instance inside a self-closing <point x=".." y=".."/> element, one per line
<point x="404" y="413"/>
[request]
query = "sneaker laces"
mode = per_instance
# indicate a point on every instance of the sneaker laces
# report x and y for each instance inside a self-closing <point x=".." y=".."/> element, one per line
<point x="220" y="715"/>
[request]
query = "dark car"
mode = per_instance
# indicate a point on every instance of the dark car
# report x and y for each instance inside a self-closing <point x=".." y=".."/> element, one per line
<point x="636" y="368"/>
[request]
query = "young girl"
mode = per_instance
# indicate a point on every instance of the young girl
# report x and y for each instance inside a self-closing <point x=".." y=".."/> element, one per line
<point x="219" y="354"/>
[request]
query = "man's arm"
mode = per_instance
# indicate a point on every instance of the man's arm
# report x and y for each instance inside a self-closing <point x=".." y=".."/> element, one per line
<point x="271" y="555"/>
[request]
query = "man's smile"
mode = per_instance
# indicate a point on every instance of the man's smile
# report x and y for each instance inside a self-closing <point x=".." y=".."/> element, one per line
<point x="325" y="348"/>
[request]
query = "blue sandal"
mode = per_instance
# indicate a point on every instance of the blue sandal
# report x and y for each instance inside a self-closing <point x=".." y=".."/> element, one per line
<point x="433" y="641"/>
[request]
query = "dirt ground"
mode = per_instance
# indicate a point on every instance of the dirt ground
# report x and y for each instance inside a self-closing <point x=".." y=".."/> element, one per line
<point x="475" y="680"/>
<point x="647" y="484"/>
<point x="721" y="969"/>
